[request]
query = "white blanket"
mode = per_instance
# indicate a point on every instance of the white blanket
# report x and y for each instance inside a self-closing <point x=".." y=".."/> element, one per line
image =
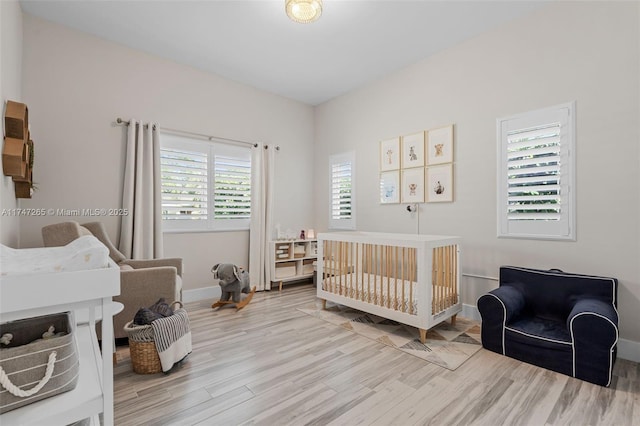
<point x="83" y="253"/>
<point x="173" y="338"/>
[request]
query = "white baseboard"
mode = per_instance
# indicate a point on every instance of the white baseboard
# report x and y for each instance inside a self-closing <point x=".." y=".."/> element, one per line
<point x="202" y="293"/>
<point x="627" y="349"/>
<point x="471" y="312"/>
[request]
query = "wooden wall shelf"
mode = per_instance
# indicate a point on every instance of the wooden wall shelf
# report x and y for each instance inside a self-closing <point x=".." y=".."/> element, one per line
<point x="17" y="151"/>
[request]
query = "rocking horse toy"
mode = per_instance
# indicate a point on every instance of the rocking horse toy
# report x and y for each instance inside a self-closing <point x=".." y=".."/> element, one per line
<point x="233" y="282"/>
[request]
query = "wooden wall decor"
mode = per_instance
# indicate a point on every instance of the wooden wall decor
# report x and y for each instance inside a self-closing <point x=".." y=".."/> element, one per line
<point x="17" y="151"/>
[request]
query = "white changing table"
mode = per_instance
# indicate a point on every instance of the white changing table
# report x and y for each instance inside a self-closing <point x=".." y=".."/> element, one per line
<point x="28" y="295"/>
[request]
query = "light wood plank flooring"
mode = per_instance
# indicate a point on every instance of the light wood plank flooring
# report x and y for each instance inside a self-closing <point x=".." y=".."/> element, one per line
<point x="270" y="364"/>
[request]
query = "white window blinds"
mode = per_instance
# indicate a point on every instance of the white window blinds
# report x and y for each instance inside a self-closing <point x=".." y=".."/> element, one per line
<point x="206" y="186"/>
<point x="184" y="184"/>
<point x="534" y="173"/>
<point x="342" y="215"/>
<point x="232" y="194"/>
<point x="536" y="198"/>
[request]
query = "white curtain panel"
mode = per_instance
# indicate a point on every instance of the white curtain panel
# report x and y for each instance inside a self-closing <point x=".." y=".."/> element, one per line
<point x="262" y="165"/>
<point x="141" y="229"/>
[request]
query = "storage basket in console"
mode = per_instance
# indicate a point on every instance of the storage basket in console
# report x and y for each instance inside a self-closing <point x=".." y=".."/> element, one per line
<point x="33" y="368"/>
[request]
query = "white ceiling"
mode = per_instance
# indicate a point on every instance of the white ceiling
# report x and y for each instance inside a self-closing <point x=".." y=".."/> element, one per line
<point x="253" y="42"/>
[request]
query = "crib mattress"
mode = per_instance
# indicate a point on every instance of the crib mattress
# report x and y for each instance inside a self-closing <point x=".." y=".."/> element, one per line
<point x="375" y="289"/>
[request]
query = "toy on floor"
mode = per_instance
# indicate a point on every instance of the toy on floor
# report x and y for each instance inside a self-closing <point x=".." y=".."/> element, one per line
<point x="6" y="338"/>
<point x="233" y="282"/>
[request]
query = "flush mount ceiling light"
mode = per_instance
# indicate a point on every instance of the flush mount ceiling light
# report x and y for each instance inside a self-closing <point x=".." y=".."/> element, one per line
<point x="303" y="11"/>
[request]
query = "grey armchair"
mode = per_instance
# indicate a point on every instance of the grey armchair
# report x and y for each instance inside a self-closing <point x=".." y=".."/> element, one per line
<point x="142" y="282"/>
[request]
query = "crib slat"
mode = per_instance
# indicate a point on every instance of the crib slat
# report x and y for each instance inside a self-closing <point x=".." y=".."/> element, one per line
<point x="441" y="270"/>
<point x="441" y="278"/>
<point x="357" y="271"/>
<point x="330" y="264"/>
<point x="437" y="263"/>
<point x="450" y="276"/>
<point x="411" y="277"/>
<point x="347" y="267"/>
<point x="402" y="266"/>
<point x="327" y="262"/>
<point x="454" y="273"/>
<point x="343" y="278"/>
<point x="334" y="277"/>
<point x="395" y="286"/>
<point x="369" y="273"/>
<point x="379" y="274"/>
<point x="388" y="275"/>
<point x="434" y="273"/>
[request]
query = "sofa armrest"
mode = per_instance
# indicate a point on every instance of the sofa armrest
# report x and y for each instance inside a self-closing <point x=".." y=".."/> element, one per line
<point x="511" y="300"/>
<point x="149" y="281"/>
<point x="596" y="310"/>
<point x="497" y="308"/>
<point x="152" y="263"/>
<point x="593" y="325"/>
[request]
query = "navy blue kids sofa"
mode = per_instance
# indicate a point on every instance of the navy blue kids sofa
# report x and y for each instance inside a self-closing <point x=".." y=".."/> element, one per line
<point x="560" y="321"/>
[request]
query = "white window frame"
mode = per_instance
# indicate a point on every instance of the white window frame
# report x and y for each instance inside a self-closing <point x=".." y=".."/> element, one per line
<point x="343" y="223"/>
<point x="211" y="148"/>
<point x="560" y="226"/>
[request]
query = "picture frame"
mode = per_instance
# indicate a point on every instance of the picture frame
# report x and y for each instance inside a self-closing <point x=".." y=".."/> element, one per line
<point x="440" y="145"/>
<point x="412" y="189"/>
<point x="439" y="183"/>
<point x="390" y="154"/>
<point x="390" y="187"/>
<point x="412" y="150"/>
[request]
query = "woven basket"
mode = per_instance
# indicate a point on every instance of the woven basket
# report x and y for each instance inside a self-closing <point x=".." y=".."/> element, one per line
<point x="142" y="348"/>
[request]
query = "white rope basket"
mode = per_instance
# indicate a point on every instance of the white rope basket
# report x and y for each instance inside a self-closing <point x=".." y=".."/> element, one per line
<point x="16" y="391"/>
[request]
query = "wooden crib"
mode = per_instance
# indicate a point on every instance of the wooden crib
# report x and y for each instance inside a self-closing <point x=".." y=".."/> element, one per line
<point x="411" y="279"/>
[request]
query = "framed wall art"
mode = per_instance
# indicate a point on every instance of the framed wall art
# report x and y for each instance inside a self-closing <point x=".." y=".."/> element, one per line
<point x="439" y="183"/>
<point x="390" y="187"/>
<point x="412" y="189"/>
<point x="390" y="154"/>
<point x="412" y="150"/>
<point x="440" y="145"/>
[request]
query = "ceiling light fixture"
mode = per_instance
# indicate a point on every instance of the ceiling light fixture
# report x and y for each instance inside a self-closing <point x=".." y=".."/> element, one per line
<point x="303" y="11"/>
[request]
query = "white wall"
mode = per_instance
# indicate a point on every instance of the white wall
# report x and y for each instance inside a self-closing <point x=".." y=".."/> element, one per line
<point x="583" y="51"/>
<point x="76" y="85"/>
<point x="10" y="89"/>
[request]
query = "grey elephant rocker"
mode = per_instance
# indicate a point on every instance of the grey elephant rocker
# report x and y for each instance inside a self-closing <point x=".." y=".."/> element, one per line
<point x="233" y="282"/>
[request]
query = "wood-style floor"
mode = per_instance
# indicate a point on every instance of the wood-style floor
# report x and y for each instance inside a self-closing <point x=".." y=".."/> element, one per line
<point x="271" y="364"/>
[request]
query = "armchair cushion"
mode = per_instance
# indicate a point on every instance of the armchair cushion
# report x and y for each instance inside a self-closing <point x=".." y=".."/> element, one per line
<point x="564" y="322"/>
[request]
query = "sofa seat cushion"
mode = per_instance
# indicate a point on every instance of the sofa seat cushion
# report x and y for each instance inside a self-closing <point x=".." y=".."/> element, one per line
<point x="541" y="328"/>
<point x="555" y="355"/>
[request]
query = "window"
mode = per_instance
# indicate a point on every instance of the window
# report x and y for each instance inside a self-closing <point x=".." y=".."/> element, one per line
<point x="206" y="186"/>
<point x="342" y="170"/>
<point x="536" y="194"/>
